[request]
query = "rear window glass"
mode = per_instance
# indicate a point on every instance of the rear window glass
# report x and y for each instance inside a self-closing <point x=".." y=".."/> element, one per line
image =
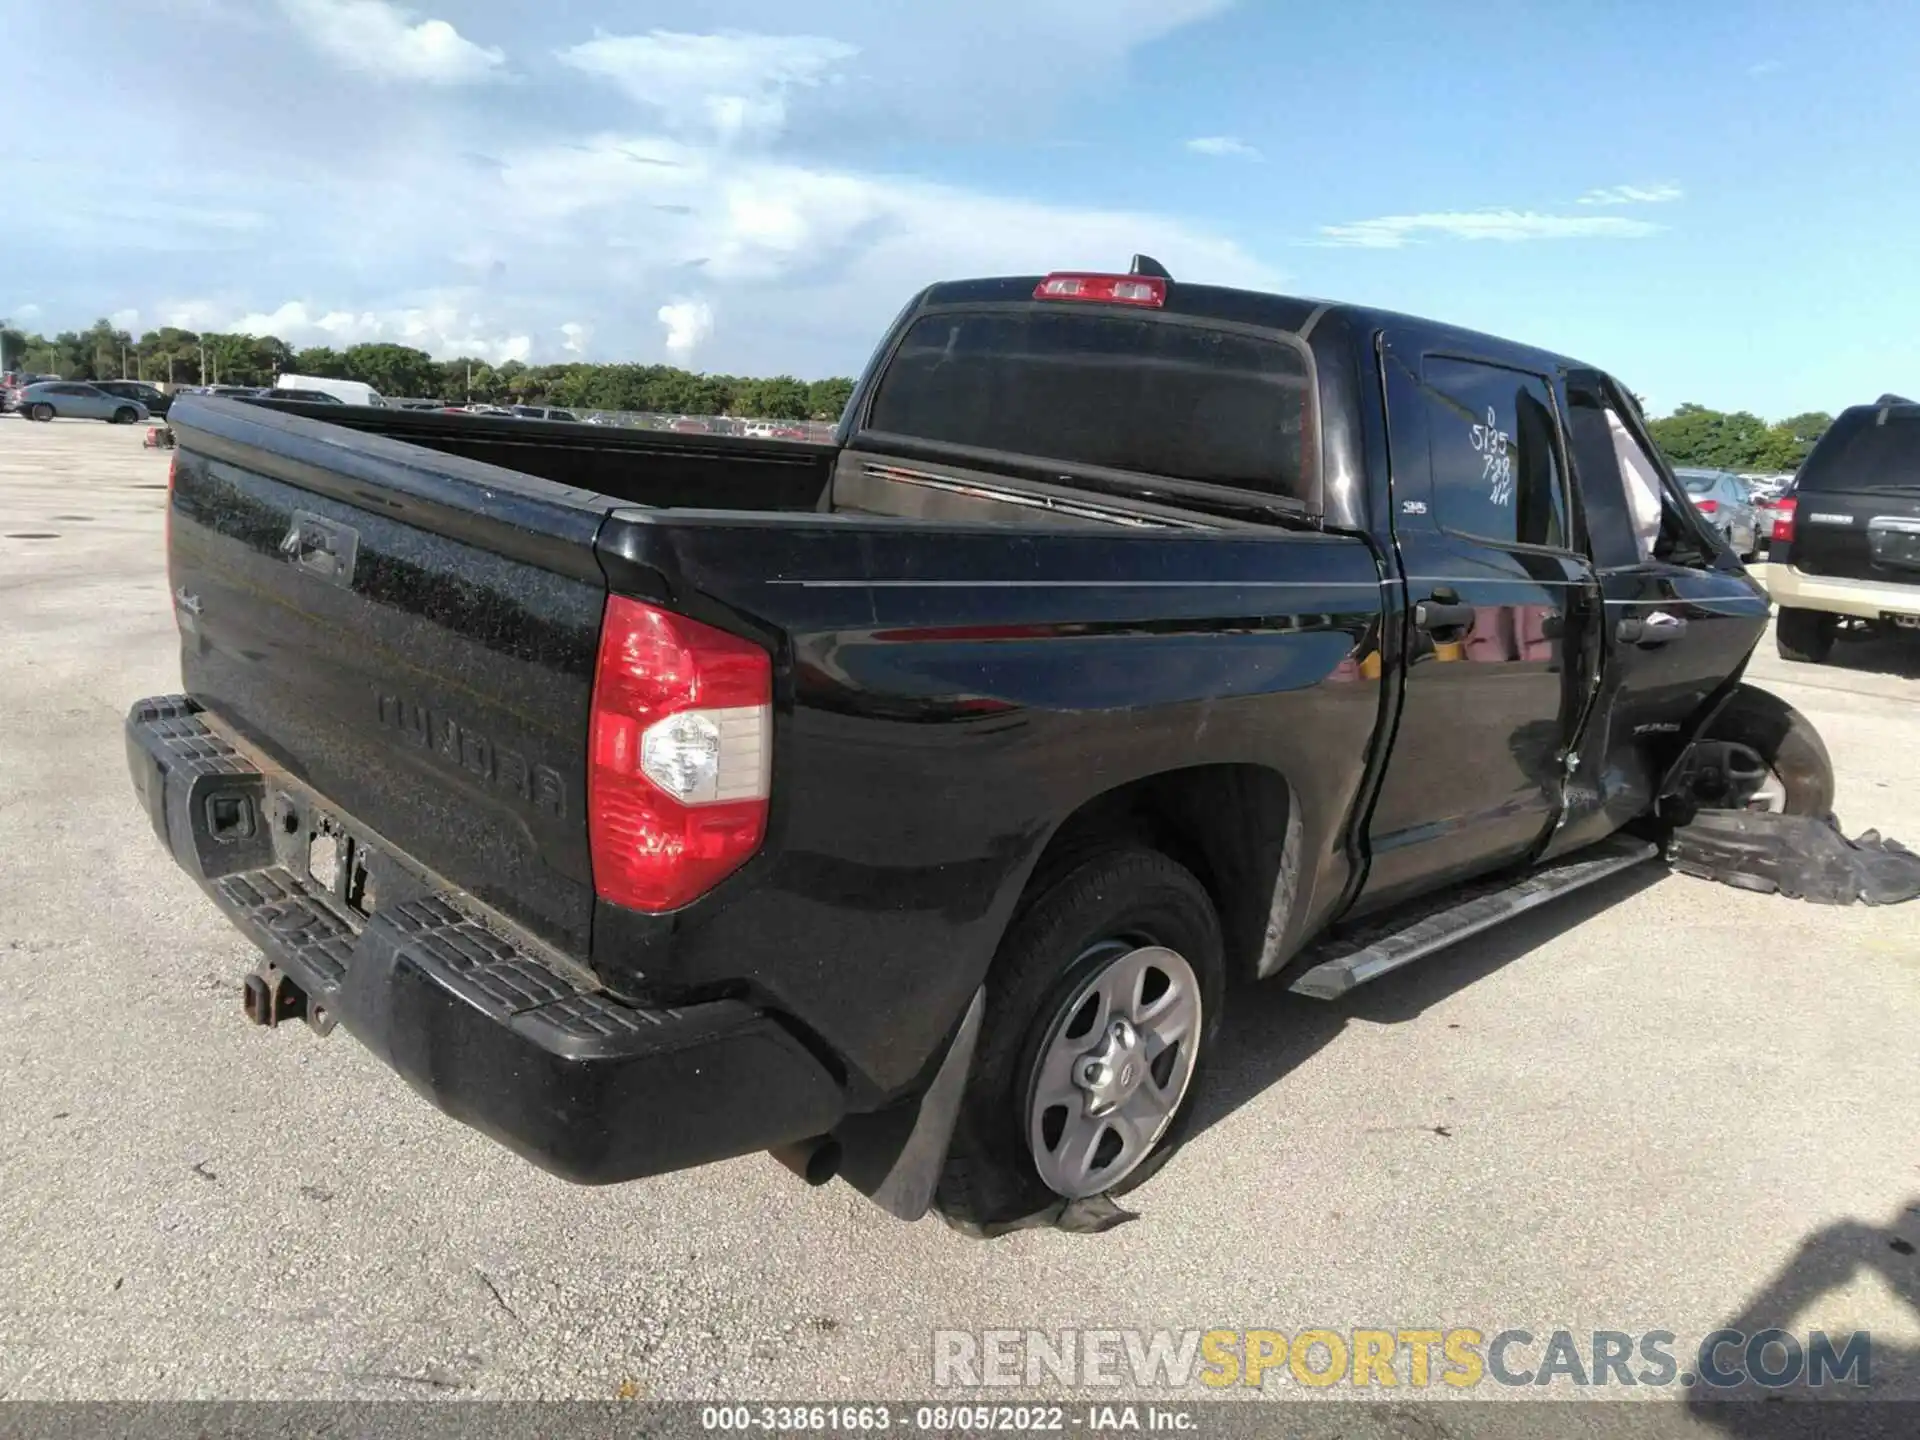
<point x="1862" y="455"/>
<point x="1696" y="483"/>
<point x="1122" y="392"/>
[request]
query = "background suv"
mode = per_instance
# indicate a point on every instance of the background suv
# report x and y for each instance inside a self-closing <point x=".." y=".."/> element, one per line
<point x="157" y="401"/>
<point x="1846" y="539"/>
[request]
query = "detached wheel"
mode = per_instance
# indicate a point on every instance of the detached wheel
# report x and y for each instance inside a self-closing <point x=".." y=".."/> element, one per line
<point x="1788" y="770"/>
<point x="1101" y="1008"/>
<point x="1804" y="635"/>
<point x="42" y="412"/>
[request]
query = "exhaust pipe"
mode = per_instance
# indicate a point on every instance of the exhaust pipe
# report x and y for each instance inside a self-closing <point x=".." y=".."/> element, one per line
<point x="815" y="1161"/>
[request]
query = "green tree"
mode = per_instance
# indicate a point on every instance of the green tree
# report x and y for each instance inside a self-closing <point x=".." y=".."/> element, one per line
<point x="392" y="369"/>
<point x="321" y="360"/>
<point x="826" y="399"/>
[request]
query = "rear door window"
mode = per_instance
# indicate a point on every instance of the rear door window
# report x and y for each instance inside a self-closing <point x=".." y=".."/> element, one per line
<point x="1116" y="392"/>
<point x="1497" y="471"/>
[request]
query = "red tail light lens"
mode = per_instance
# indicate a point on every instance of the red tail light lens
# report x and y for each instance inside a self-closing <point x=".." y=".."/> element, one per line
<point x="1783" y="519"/>
<point x="1104" y="289"/>
<point x="679" y="762"/>
<point x="1706" y="507"/>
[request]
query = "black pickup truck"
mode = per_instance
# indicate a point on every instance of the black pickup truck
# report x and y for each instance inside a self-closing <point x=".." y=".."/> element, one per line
<point x="908" y="806"/>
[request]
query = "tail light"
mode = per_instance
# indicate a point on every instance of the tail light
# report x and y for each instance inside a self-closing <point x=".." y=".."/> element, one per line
<point x="1783" y="520"/>
<point x="1706" y="507"/>
<point x="1105" y="289"/>
<point x="680" y="751"/>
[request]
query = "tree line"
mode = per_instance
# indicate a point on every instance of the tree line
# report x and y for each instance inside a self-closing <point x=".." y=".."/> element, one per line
<point x="171" y="355"/>
<point x="1740" y="441"/>
<point x="1691" y="435"/>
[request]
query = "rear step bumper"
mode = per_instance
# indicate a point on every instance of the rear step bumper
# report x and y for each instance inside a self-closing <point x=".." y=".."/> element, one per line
<point x="492" y="1033"/>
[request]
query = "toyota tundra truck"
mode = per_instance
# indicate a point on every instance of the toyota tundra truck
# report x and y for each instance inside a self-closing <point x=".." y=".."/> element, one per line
<point x="913" y="806"/>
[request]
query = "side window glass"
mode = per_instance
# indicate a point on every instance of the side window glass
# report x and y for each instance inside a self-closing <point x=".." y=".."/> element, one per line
<point x="1497" y="471"/>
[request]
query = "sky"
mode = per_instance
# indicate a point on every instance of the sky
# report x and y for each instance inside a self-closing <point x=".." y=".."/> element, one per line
<point x="1716" y="201"/>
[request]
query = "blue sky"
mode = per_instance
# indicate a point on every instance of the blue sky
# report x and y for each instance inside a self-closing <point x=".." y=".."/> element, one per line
<point x="1715" y="200"/>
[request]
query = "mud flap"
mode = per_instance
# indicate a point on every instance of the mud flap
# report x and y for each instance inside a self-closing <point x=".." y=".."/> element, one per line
<point x="1801" y="857"/>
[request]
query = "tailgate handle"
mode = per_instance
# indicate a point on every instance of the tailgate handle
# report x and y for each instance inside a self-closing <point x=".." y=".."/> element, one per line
<point x="321" y="547"/>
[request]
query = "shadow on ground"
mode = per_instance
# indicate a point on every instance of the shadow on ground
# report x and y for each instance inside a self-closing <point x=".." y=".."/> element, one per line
<point x="1896" y="654"/>
<point x="1270" y="1031"/>
<point x="1882" y="1396"/>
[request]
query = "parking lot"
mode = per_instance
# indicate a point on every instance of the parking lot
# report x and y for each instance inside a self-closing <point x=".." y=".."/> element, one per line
<point x="1659" y="1104"/>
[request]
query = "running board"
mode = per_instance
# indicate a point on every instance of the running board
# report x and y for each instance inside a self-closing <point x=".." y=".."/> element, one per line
<point x="1379" y="946"/>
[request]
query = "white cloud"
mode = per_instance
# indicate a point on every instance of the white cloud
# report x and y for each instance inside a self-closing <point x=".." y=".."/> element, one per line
<point x="577" y="336"/>
<point x="124" y="319"/>
<point x="732" y="85"/>
<point x="1223" y="145"/>
<point x="442" y="329"/>
<point x="1633" y="195"/>
<point x="688" y="323"/>
<point x="384" y="41"/>
<point x="1393" y="232"/>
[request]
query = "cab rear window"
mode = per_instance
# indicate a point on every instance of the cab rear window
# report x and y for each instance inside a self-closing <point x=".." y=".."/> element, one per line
<point x="1118" y="392"/>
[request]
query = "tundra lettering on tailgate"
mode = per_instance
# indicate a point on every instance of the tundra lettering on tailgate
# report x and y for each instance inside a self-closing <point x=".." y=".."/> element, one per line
<point x="538" y="785"/>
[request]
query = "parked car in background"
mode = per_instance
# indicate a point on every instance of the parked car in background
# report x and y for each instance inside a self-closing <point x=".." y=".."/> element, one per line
<point x="312" y="397"/>
<point x="1765" y="512"/>
<point x="157" y="401"/>
<point x="1722" y="498"/>
<point x="347" y="392"/>
<point x="1846" y="541"/>
<point x="78" y="400"/>
<point x="231" y="390"/>
<point x="544" y="412"/>
<point x="13" y="384"/>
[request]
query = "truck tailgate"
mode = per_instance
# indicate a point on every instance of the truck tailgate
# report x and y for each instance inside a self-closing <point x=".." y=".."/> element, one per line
<point x="410" y="634"/>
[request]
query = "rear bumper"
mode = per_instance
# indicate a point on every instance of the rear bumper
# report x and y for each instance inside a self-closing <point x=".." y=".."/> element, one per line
<point x="489" y="1030"/>
<point x="1792" y="589"/>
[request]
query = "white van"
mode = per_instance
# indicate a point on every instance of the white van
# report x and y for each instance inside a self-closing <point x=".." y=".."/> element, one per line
<point x="347" y="392"/>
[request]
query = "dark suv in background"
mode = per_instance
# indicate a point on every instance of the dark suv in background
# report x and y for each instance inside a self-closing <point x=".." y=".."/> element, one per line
<point x="1846" y="538"/>
<point x="157" y="401"/>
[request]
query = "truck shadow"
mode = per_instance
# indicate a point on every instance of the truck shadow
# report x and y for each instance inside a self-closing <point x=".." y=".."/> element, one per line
<point x="1269" y="1031"/>
<point x="1897" y="655"/>
<point x="1888" y="1402"/>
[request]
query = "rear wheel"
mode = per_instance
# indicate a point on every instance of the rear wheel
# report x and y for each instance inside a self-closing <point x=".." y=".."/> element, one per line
<point x="1804" y="635"/>
<point x="125" y="415"/>
<point x="42" y="411"/>
<point x="1101" y="1007"/>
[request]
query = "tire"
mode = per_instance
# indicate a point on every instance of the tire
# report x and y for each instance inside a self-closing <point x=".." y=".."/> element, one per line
<point x="42" y="412"/>
<point x="1804" y="635"/>
<point x="1129" y="897"/>
<point x="125" y="415"/>
<point x="1786" y="740"/>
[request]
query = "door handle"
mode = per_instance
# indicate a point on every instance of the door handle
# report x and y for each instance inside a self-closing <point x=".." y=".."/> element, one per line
<point x="1656" y="629"/>
<point x="1433" y="615"/>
